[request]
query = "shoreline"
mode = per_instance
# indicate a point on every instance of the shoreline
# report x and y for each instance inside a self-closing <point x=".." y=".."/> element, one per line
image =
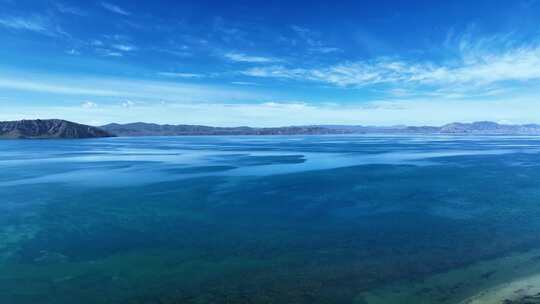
<point x="512" y="279"/>
<point x="517" y="291"/>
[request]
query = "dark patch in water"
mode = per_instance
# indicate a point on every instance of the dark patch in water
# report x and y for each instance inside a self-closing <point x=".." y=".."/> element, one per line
<point x="488" y="274"/>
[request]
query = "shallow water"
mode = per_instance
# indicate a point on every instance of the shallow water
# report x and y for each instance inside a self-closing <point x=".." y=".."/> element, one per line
<point x="312" y="219"/>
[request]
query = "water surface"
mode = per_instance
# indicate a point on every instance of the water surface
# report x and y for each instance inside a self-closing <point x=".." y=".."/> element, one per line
<point x="296" y="219"/>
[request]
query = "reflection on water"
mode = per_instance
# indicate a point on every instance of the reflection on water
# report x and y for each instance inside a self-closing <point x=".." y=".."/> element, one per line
<point x="313" y="219"/>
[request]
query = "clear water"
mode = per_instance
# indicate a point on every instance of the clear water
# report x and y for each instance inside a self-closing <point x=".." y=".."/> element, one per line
<point x="314" y="219"/>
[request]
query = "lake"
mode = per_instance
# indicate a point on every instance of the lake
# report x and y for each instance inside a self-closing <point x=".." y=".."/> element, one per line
<point x="270" y="219"/>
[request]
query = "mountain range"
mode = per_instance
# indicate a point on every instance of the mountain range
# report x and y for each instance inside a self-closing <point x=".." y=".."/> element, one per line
<point x="149" y="129"/>
<point x="475" y="128"/>
<point x="57" y="128"/>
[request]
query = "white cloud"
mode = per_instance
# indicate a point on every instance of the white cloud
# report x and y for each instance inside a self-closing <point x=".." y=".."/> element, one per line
<point x="238" y="57"/>
<point x="115" y="8"/>
<point x="516" y="64"/>
<point x="519" y="64"/>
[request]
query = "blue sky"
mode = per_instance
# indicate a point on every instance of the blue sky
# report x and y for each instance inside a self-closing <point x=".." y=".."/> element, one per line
<point x="270" y="63"/>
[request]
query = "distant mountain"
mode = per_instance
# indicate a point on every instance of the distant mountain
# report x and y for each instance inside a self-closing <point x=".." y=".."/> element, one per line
<point x="475" y="128"/>
<point x="490" y="128"/>
<point x="49" y="128"/>
<point x="344" y="129"/>
<point x="149" y="129"/>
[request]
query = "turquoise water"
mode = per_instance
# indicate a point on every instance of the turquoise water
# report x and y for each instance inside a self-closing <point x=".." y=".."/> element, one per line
<point x="314" y="219"/>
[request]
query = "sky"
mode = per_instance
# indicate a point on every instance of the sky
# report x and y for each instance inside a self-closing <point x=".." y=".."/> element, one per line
<point x="270" y="63"/>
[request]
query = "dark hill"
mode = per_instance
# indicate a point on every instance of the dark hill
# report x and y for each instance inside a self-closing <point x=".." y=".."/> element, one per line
<point x="49" y="128"/>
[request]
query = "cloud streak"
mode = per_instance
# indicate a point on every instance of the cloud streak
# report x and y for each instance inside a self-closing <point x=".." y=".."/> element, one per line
<point x="124" y="47"/>
<point x="239" y="57"/>
<point x="35" y="23"/>
<point x="65" y="9"/>
<point x="114" y="88"/>
<point x="115" y="9"/>
<point x="89" y="105"/>
<point x="180" y="75"/>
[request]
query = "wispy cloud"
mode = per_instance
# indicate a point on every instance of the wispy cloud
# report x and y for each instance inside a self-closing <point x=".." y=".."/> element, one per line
<point x="313" y="40"/>
<point x="124" y="47"/>
<point x="52" y="87"/>
<point x="109" y="53"/>
<point x="73" y="52"/>
<point x="116" y="37"/>
<point x="132" y="89"/>
<point x="180" y="75"/>
<point x="128" y="104"/>
<point x="325" y="49"/>
<point x="89" y="105"/>
<point x="66" y="9"/>
<point x="35" y="23"/>
<point x="309" y="36"/>
<point x="96" y="42"/>
<point x="178" y="53"/>
<point x="116" y="48"/>
<point x="277" y="71"/>
<point x="115" y="8"/>
<point x="475" y="67"/>
<point x="239" y="57"/>
<point x="246" y="83"/>
<point x="229" y="33"/>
